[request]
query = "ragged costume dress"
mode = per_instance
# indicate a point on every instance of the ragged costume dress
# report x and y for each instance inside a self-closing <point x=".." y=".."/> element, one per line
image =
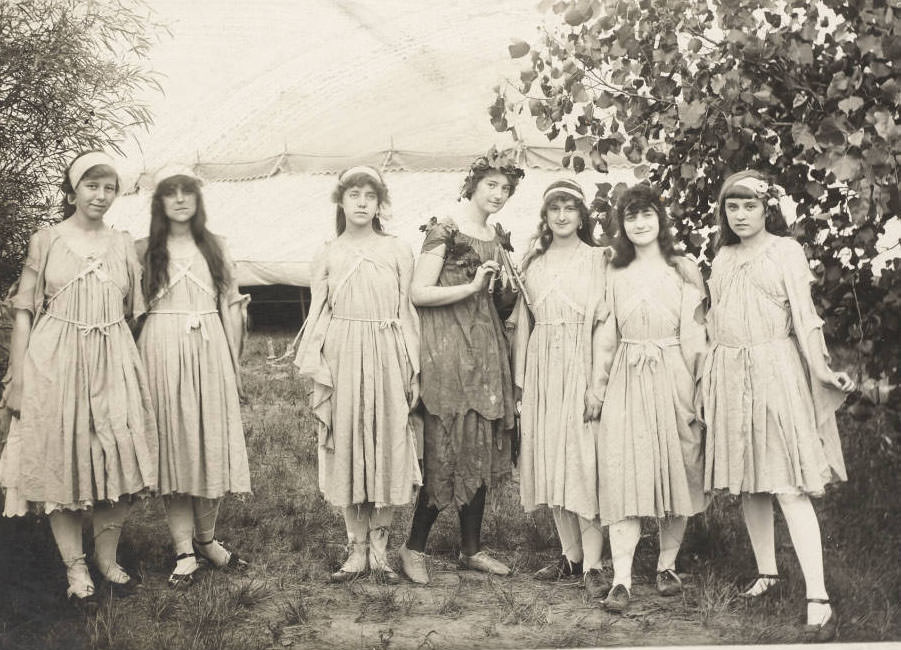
<point x="771" y="425"/>
<point x="360" y="349"/>
<point x="554" y="365"/>
<point x="650" y="453"/>
<point x="87" y="431"/>
<point x="191" y="358"/>
<point x="467" y="389"/>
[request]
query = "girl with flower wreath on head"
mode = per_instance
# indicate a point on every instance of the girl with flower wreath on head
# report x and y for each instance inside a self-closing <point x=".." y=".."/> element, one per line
<point x="556" y="362"/>
<point x="769" y="393"/>
<point x="191" y="342"/>
<point x="467" y="392"/>
<point x="650" y="462"/>
<point x="360" y="349"/>
<point x="85" y="438"/>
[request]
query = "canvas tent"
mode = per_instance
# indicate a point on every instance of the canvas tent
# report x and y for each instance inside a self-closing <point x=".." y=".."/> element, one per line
<point x="277" y="212"/>
<point x="402" y="86"/>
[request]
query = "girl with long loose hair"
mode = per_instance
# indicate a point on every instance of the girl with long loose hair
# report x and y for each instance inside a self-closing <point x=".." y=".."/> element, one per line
<point x="190" y="343"/>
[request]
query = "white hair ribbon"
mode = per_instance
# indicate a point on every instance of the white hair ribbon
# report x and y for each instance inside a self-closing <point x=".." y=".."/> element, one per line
<point x="564" y="190"/>
<point x="173" y="170"/>
<point x="83" y="163"/>
<point x="361" y="169"/>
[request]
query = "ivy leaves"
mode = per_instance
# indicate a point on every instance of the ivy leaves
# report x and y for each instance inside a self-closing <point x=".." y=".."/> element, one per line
<point x="689" y="91"/>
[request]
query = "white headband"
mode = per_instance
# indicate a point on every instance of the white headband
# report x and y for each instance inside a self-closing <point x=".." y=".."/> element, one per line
<point x="756" y="185"/>
<point x="83" y="163"/>
<point x="361" y="169"/>
<point x="173" y="170"/>
<point x="564" y="190"/>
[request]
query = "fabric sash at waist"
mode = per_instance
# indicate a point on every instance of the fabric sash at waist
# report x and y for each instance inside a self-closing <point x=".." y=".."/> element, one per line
<point x="381" y="322"/>
<point x="647" y="352"/>
<point x="194" y="318"/>
<point x="86" y="328"/>
<point x="747" y="345"/>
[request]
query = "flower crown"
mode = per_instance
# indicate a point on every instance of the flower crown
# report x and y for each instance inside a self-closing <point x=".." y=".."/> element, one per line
<point x="502" y="161"/>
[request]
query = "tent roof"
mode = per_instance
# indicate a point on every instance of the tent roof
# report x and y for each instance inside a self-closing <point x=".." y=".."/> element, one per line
<point x="275" y="224"/>
<point x="547" y="158"/>
<point x="337" y="77"/>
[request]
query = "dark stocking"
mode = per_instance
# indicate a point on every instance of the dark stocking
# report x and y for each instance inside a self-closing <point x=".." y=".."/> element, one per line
<point x="423" y="517"/>
<point x="471" y="522"/>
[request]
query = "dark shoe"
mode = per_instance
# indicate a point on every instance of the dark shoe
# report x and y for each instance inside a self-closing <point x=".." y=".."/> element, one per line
<point x="560" y="569"/>
<point x="669" y="583"/>
<point x="233" y="563"/>
<point x="760" y="585"/>
<point x="618" y="599"/>
<point x="596" y="585"/>
<point x="182" y="579"/>
<point x="83" y="598"/>
<point x="825" y="632"/>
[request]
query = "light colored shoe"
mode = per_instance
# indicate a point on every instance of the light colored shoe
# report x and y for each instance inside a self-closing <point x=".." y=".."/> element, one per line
<point x="481" y="561"/>
<point x="117" y="579"/>
<point x="355" y="566"/>
<point x="81" y="588"/>
<point x="378" y="555"/>
<point x="413" y="565"/>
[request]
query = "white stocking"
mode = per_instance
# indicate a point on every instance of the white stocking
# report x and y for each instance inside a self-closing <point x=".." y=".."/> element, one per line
<point x="624" y="537"/>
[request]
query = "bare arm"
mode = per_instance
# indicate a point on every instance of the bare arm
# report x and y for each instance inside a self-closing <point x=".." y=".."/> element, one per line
<point x="424" y="290"/>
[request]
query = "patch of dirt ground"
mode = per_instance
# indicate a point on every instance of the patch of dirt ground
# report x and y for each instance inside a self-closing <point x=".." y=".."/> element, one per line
<point x="467" y="609"/>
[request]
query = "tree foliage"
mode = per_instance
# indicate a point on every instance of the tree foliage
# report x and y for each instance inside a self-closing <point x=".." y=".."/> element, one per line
<point x="70" y="72"/>
<point x="690" y="91"/>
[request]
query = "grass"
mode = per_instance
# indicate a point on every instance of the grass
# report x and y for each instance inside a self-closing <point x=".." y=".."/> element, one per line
<point x="294" y="540"/>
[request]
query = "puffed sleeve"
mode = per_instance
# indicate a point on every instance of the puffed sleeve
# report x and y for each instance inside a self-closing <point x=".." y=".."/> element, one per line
<point x="134" y="299"/>
<point x="409" y="318"/>
<point x="310" y="360"/>
<point x="437" y="233"/>
<point x="30" y="293"/>
<point x="805" y="320"/>
<point x="692" y="330"/>
<point x="604" y="334"/>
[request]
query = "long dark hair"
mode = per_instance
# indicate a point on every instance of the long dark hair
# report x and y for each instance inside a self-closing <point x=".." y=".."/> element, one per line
<point x="774" y="221"/>
<point x="636" y="198"/>
<point x="156" y="259"/>
<point x="96" y="171"/>
<point x="359" y="179"/>
<point x="541" y="240"/>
